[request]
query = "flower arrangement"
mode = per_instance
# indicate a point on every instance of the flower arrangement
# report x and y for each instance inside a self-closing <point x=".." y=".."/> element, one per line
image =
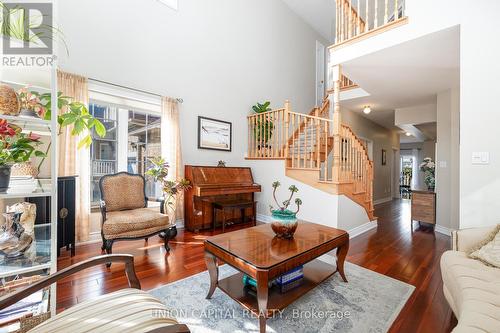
<point x="429" y="168"/>
<point x="283" y="209"/>
<point x="159" y="173"/>
<point x="30" y="101"/>
<point x="16" y="146"/>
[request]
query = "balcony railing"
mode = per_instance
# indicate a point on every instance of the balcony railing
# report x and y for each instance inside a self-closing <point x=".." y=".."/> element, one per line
<point x="103" y="167"/>
<point x="356" y="18"/>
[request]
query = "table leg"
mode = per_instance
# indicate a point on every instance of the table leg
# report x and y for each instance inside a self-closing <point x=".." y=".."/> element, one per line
<point x="262" y="297"/>
<point x="341" y="254"/>
<point x="213" y="271"/>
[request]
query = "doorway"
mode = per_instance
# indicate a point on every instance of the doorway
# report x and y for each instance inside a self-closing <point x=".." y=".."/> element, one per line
<point x="320" y="73"/>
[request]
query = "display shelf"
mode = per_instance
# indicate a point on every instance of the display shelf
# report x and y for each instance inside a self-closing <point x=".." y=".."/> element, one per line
<point x="30" y="124"/>
<point x="43" y="189"/>
<point x="36" y="257"/>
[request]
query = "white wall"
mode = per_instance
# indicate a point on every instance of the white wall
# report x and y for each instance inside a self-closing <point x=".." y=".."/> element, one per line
<point x="479" y="91"/>
<point x="220" y="56"/>
<point x="447" y="161"/>
<point x="415" y="115"/>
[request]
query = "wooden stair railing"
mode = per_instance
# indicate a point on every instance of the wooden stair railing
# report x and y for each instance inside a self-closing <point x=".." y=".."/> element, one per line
<point x="307" y="141"/>
<point x="364" y="17"/>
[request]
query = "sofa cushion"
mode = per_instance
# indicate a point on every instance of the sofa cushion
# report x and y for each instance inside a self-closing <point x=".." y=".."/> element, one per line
<point x="123" y="311"/>
<point x="475" y="292"/>
<point x="134" y="223"/>
<point x="488" y="251"/>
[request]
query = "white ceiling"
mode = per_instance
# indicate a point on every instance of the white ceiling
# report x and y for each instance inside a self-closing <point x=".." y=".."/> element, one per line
<point x="408" y="74"/>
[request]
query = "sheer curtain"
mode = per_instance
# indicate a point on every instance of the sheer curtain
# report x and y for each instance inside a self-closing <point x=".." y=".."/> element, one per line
<point x="171" y="145"/>
<point x="73" y="161"/>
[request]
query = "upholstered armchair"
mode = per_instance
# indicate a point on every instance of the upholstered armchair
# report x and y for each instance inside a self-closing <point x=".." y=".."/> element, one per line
<point x="128" y="310"/>
<point x="124" y="211"/>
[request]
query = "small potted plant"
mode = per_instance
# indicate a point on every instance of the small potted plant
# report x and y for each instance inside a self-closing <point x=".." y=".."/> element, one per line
<point x="15" y="147"/>
<point x="284" y="220"/>
<point x="171" y="188"/>
<point x="30" y="103"/>
<point x="264" y="127"/>
<point x="429" y="169"/>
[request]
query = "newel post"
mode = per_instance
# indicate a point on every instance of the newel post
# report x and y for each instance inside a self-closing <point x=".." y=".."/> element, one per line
<point x="337" y="123"/>
<point x="287" y="123"/>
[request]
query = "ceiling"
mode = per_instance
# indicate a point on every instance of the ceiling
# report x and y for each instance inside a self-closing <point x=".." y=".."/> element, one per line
<point x="408" y="74"/>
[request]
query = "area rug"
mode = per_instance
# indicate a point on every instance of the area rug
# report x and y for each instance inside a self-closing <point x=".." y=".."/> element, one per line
<point x="369" y="302"/>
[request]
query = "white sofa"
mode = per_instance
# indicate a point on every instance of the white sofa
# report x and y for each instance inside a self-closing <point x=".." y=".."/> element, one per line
<point x="471" y="288"/>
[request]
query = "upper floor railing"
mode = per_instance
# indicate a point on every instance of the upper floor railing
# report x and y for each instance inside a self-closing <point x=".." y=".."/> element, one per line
<point x="355" y="18"/>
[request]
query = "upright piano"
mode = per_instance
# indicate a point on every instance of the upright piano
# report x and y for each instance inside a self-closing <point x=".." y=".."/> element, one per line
<point x="209" y="184"/>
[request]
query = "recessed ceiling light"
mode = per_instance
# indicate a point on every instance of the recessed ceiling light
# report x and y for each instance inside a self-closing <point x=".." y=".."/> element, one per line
<point x="367" y="109"/>
<point x="408" y="134"/>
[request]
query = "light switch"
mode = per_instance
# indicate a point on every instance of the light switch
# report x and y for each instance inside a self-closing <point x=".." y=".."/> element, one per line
<point x="481" y="157"/>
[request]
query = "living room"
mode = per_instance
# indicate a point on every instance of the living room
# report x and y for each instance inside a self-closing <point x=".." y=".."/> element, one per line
<point x="180" y="122"/>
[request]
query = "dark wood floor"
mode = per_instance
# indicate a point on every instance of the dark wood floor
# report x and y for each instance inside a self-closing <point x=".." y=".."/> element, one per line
<point x="390" y="250"/>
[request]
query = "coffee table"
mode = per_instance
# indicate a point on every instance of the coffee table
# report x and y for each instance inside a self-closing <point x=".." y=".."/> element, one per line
<point x="258" y="253"/>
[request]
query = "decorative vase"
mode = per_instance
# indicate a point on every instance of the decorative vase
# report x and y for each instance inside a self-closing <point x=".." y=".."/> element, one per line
<point x="284" y="223"/>
<point x="169" y="207"/>
<point x="4" y="177"/>
<point x="9" y="102"/>
<point x="24" y="169"/>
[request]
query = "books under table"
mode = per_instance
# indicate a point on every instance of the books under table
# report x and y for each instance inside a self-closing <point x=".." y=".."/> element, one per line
<point x="288" y="281"/>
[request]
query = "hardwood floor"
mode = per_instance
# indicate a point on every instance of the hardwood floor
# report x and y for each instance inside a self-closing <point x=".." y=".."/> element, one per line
<point x="390" y="250"/>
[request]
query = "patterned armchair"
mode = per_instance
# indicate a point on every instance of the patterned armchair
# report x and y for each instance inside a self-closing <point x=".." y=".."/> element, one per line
<point x="125" y="214"/>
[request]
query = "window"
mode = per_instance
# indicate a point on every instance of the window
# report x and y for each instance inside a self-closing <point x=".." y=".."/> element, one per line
<point x="143" y="144"/>
<point x="103" y="151"/>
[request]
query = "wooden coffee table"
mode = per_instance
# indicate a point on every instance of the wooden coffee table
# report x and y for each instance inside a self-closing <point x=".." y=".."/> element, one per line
<point x="256" y="252"/>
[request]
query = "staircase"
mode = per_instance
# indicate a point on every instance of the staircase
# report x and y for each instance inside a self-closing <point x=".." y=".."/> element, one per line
<point x="323" y="154"/>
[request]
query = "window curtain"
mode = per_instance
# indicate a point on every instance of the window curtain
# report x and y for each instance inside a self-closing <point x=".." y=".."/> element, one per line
<point x="171" y="145"/>
<point x="73" y="161"/>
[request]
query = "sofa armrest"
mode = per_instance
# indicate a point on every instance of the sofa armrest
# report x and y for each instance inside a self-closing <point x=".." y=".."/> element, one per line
<point x="465" y="239"/>
<point x="161" y="200"/>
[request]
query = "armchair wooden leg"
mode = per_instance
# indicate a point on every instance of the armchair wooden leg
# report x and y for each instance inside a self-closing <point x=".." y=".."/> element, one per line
<point x="169" y="234"/>
<point x="108" y="244"/>
<point x="103" y="246"/>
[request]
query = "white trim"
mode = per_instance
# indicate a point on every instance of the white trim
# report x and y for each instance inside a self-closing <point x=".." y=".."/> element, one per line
<point x="354" y="232"/>
<point x="442" y="230"/>
<point x="381" y="201"/>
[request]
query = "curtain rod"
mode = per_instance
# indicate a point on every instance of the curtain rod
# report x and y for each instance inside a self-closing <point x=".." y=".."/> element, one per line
<point x="180" y="100"/>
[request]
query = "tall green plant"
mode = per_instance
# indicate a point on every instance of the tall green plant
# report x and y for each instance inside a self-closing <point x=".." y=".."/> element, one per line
<point x="74" y="114"/>
<point x="263" y="130"/>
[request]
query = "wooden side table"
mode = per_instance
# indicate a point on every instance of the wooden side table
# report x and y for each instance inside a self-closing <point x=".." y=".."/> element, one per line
<point x="423" y="207"/>
<point x="231" y="205"/>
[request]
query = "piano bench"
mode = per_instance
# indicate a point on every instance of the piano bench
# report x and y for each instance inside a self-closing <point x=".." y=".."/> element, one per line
<point x="231" y="205"/>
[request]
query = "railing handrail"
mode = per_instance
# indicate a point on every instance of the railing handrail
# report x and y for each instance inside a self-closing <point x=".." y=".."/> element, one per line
<point x="263" y="113"/>
<point x="305" y="115"/>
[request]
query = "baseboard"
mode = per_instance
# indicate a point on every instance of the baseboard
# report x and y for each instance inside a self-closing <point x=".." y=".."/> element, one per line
<point x="352" y="232"/>
<point x="362" y="229"/>
<point x="381" y="201"/>
<point x="442" y="230"/>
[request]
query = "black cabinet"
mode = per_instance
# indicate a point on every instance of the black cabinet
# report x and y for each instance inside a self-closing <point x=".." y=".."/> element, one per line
<point x="66" y="208"/>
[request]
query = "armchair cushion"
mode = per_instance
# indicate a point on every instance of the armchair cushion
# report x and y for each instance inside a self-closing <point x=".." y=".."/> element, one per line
<point x="134" y="223"/>
<point x="123" y="311"/>
<point x="123" y="191"/>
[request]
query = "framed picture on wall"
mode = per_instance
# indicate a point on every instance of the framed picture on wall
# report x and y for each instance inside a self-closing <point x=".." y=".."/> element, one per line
<point x="384" y="157"/>
<point x="214" y="134"/>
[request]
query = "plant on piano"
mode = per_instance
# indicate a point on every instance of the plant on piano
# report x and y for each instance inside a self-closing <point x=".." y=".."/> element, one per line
<point x="264" y="127"/>
<point x="171" y="188"/>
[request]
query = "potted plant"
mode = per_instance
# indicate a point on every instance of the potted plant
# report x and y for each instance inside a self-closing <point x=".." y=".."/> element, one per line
<point x="264" y="127"/>
<point x="171" y="188"/>
<point x="30" y="103"/>
<point x="429" y="169"/>
<point x="15" y="147"/>
<point x="284" y="220"/>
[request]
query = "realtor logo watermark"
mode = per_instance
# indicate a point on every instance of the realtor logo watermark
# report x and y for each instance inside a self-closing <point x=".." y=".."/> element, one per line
<point x="27" y="33"/>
